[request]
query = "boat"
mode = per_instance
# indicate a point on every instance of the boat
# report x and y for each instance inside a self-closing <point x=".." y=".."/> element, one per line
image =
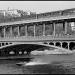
<point x="21" y="63"/>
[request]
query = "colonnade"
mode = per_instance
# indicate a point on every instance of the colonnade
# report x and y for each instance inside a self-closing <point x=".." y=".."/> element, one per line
<point x="18" y="32"/>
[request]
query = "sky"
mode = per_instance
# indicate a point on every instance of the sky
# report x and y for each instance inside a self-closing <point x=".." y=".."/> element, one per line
<point x="37" y="6"/>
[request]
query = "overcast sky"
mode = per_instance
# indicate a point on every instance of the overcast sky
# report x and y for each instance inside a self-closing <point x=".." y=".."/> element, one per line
<point x="37" y="6"/>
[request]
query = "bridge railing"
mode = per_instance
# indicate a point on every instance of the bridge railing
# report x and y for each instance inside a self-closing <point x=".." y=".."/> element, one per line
<point x="39" y="38"/>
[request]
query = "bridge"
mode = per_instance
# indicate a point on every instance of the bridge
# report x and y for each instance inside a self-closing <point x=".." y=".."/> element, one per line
<point x="52" y="28"/>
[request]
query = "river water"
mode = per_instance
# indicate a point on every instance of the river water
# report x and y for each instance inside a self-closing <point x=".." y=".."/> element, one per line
<point x="57" y="67"/>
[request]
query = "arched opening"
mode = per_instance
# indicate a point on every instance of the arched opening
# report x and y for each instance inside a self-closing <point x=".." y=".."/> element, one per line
<point x="20" y="49"/>
<point x="0" y="44"/>
<point x="20" y="52"/>
<point x="10" y="43"/>
<point x="58" y="44"/>
<point x="11" y="52"/>
<point x="51" y="43"/>
<point x="3" y="44"/>
<point x="45" y="43"/>
<point x="72" y="45"/>
<point x="6" y="43"/>
<point x="65" y="45"/>
<point x="25" y="52"/>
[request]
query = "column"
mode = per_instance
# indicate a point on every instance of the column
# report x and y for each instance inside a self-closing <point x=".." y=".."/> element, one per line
<point x="18" y="31"/>
<point x="54" y="28"/>
<point x="43" y="29"/>
<point x="26" y="29"/>
<point x="68" y="46"/>
<point x="11" y="30"/>
<point x="61" y="44"/>
<point x="36" y="16"/>
<point x="54" y="43"/>
<point x="4" y="32"/>
<point x="34" y="30"/>
<point x="48" y="43"/>
<point x="65" y="27"/>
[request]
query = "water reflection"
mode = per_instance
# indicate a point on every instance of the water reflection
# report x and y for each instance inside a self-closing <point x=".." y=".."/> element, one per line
<point x="46" y="64"/>
<point x="56" y="67"/>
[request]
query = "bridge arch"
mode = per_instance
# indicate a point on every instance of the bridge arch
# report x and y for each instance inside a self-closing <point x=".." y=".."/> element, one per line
<point x="58" y="44"/>
<point x="72" y="45"/>
<point x="18" y="47"/>
<point x="51" y="43"/>
<point x="65" y="45"/>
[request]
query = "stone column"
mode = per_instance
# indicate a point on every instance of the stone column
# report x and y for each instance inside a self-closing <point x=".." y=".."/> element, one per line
<point x="68" y="46"/>
<point x="54" y="43"/>
<point x="36" y="16"/>
<point x="54" y="28"/>
<point x="18" y="31"/>
<point x="34" y="30"/>
<point x="43" y="29"/>
<point x="65" y="27"/>
<point x="61" y="44"/>
<point x="11" y="30"/>
<point x="4" y="32"/>
<point x="48" y="43"/>
<point x="26" y="30"/>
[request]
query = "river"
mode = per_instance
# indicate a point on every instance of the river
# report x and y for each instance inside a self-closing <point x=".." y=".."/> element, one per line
<point x="57" y="67"/>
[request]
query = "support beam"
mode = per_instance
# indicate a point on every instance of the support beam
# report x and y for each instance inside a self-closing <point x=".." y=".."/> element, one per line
<point x="61" y="44"/>
<point x="43" y="29"/>
<point x="68" y="46"/>
<point x="4" y="32"/>
<point x="54" y="28"/>
<point x="11" y="30"/>
<point x="65" y="27"/>
<point x="18" y="31"/>
<point x="26" y="30"/>
<point x="34" y="30"/>
<point x="54" y="43"/>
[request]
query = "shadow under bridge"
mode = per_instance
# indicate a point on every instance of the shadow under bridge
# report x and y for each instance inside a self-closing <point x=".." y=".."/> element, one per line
<point x="20" y="49"/>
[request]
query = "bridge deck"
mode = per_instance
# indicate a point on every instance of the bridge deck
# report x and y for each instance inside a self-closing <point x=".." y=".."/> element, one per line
<point x="38" y="39"/>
